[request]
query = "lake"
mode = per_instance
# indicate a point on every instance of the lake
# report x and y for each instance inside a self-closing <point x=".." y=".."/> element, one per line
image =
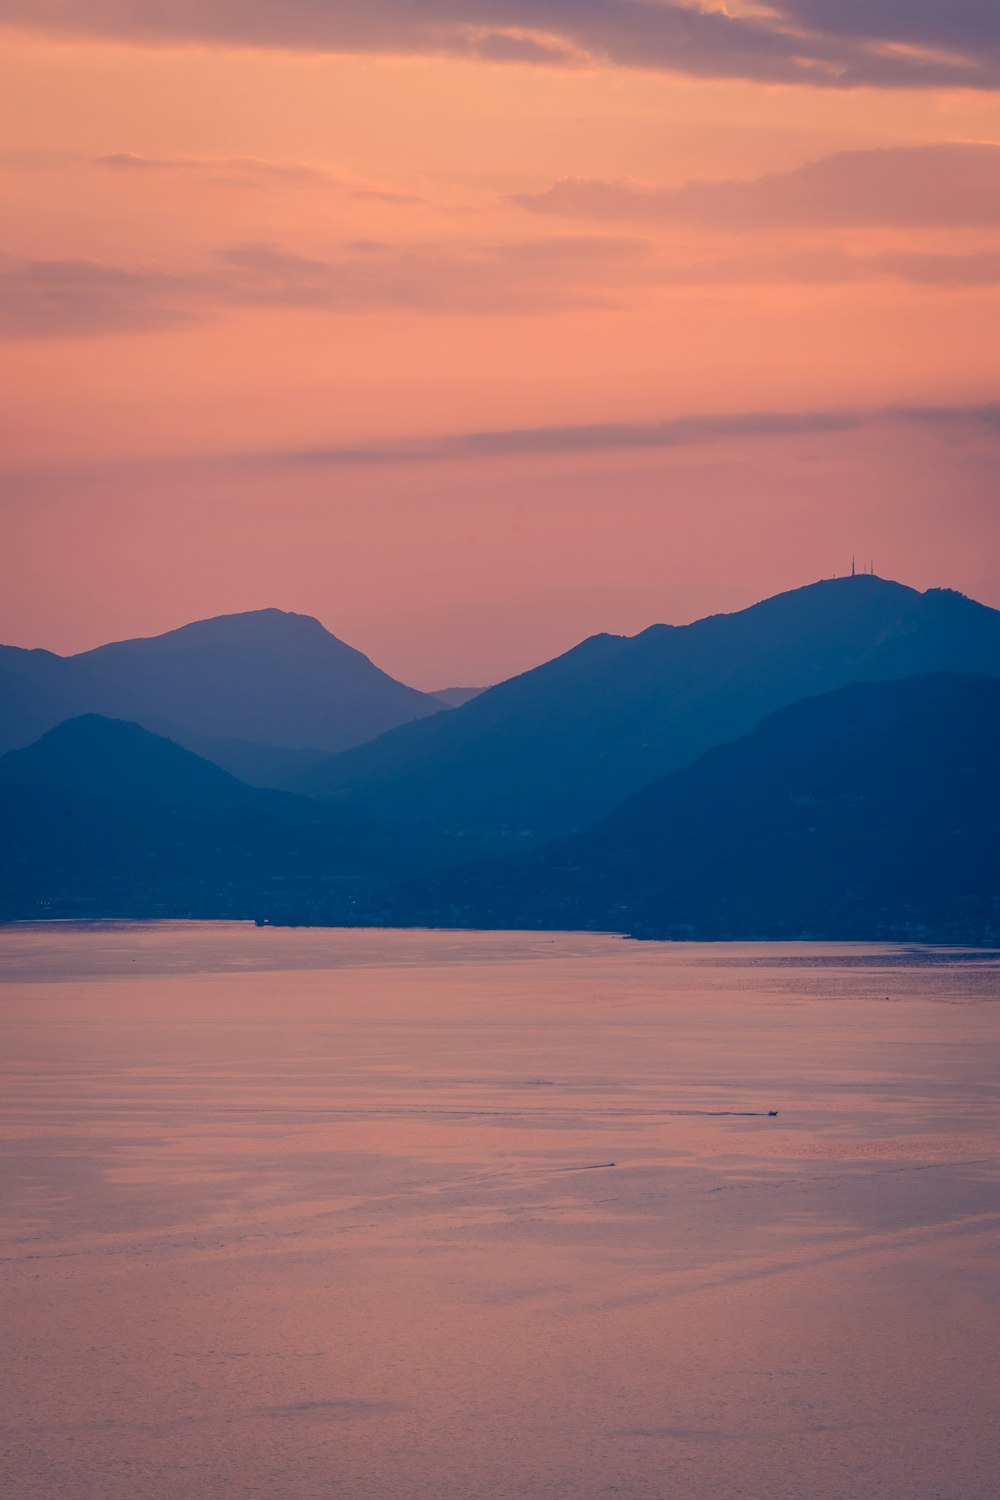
<point x="380" y="1215"/>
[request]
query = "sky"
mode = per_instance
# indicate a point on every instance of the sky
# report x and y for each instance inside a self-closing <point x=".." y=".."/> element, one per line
<point x="473" y="327"/>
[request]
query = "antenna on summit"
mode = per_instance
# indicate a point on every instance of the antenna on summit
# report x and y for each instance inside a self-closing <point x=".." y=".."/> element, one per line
<point x="852" y="567"/>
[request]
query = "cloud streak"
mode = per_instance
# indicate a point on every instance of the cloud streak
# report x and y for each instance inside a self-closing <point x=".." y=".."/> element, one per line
<point x="248" y="171"/>
<point x="77" y="298"/>
<point x="80" y="298"/>
<point x="943" y="185"/>
<point x="835" y="268"/>
<point x="703" y="430"/>
<point x="824" y="43"/>
<point x="603" y="437"/>
<point x="706" y="431"/>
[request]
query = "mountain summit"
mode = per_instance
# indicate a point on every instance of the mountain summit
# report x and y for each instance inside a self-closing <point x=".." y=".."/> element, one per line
<point x="230" y="688"/>
<point x="556" y="749"/>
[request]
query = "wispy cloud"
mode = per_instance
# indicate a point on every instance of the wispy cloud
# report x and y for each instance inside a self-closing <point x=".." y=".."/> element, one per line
<point x="77" y="298"/>
<point x="528" y="276"/>
<point x="825" y="43"/>
<point x="706" y="431"/>
<point x="598" y="437"/>
<point x="833" y="267"/>
<point x="249" y="171"/>
<point x="947" y="184"/>
<point x="958" y="271"/>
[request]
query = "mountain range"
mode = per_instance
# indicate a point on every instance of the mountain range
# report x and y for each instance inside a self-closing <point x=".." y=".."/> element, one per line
<point x="264" y="694"/>
<point x="101" y="818"/>
<point x="823" y="763"/>
<point x="869" y="812"/>
<point x="559" y="747"/>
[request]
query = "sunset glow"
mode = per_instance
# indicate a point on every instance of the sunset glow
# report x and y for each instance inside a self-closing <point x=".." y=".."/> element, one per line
<point x="401" y="322"/>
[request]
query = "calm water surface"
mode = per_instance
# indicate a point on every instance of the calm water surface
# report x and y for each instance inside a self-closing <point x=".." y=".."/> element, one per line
<point x="294" y="1215"/>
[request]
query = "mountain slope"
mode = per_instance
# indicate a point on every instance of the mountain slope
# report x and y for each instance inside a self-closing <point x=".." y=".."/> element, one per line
<point x="102" y="818"/>
<point x="225" y="686"/>
<point x="560" y="746"/>
<point x="456" y="696"/>
<point x="37" y="691"/>
<point x="870" y="812"/>
<point x="95" y="756"/>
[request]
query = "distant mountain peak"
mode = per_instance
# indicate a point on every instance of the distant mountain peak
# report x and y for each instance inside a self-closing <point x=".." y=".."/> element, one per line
<point x="240" y="625"/>
<point x="96" y="753"/>
<point x="268" y="678"/>
<point x="842" y="585"/>
<point x="557" y="747"/>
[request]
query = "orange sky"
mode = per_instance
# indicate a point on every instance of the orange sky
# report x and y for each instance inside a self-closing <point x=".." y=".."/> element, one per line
<point x="259" y="286"/>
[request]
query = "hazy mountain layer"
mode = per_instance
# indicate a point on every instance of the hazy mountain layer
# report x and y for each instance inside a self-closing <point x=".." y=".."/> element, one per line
<point x="871" y="812"/>
<point x="456" y="696"/>
<point x="234" y="688"/>
<point x="102" y="818"/>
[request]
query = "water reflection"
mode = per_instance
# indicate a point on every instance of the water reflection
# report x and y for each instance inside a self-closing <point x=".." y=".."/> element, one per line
<point x="300" y="1213"/>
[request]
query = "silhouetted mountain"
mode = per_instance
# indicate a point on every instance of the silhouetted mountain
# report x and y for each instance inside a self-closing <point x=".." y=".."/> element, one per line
<point x="560" y="746"/>
<point x="240" y="688"/>
<point x="95" y="756"/>
<point x="102" y="818"/>
<point x="871" y="812"/>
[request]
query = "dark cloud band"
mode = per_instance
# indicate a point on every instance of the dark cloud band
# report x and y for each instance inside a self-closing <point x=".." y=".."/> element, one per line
<point x="706" y="430"/>
<point x="598" y="437"/>
<point x="825" y="43"/>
